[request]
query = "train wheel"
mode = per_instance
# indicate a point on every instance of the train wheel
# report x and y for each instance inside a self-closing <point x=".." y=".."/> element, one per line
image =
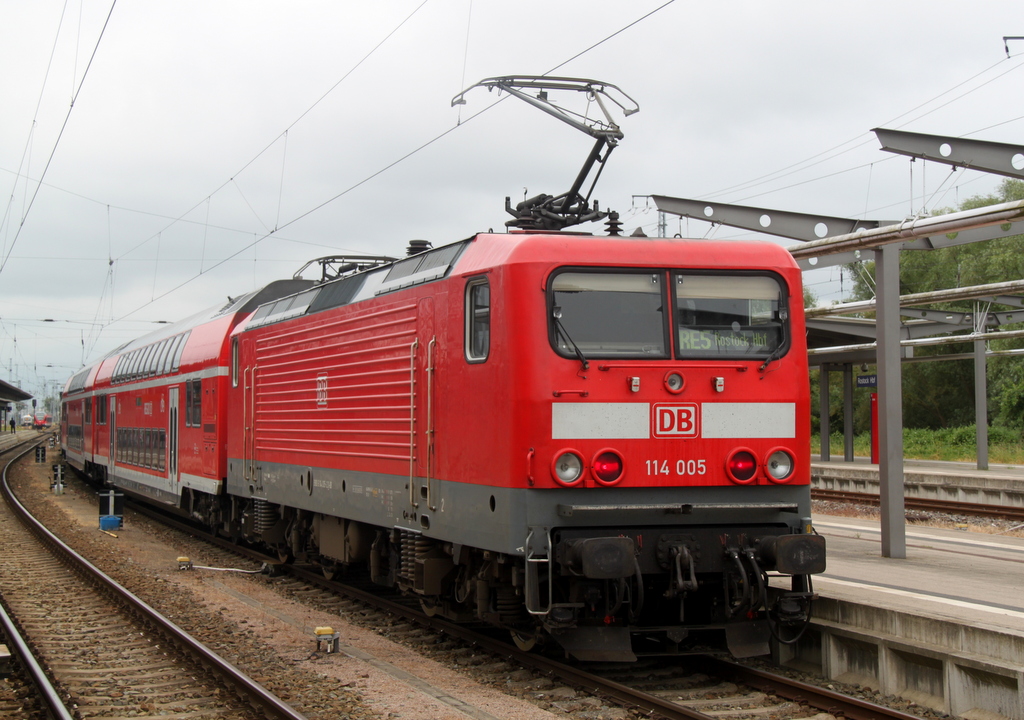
<point x="331" y="571"/>
<point x="429" y="608"/>
<point x="523" y="641"/>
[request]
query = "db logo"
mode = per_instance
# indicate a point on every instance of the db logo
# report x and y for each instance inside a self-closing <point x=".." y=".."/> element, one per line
<point x="676" y="420"/>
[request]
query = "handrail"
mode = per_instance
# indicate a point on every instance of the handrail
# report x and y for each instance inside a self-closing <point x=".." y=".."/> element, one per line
<point x="412" y="423"/>
<point x="430" y="421"/>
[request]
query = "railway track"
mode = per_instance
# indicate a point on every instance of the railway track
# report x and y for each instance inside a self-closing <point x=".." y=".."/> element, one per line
<point x="107" y="653"/>
<point x="1005" y="512"/>
<point x="700" y="686"/>
<point x="696" y="687"/>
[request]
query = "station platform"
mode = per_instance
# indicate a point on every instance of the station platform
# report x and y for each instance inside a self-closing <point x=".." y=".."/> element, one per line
<point x="943" y="627"/>
<point x="948" y="574"/>
<point x="928" y="480"/>
<point x="837" y="464"/>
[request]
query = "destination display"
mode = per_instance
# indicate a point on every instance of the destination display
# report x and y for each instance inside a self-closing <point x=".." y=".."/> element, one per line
<point x="728" y="341"/>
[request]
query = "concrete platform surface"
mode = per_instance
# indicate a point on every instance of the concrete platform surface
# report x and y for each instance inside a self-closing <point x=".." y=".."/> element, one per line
<point x="962" y="471"/>
<point x="943" y="627"/>
<point x="947" y="574"/>
<point x="950" y="467"/>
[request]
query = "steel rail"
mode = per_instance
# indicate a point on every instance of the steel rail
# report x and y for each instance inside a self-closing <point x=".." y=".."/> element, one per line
<point x="911" y="503"/>
<point x="50" y="696"/>
<point x="794" y="690"/>
<point x="827" y="700"/>
<point x="628" y="697"/>
<point x="591" y="683"/>
<point x="248" y="689"/>
<point x="650" y="705"/>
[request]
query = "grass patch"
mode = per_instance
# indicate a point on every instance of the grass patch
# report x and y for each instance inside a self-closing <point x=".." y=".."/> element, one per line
<point x="1005" y="445"/>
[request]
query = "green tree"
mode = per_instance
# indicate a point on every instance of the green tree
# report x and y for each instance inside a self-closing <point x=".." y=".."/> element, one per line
<point x="941" y="393"/>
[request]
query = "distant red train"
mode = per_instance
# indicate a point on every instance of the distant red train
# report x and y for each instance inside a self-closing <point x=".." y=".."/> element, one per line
<point x="602" y="442"/>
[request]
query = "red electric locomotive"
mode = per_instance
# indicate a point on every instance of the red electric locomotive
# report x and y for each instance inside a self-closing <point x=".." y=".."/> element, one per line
<point x="603" y="441"/>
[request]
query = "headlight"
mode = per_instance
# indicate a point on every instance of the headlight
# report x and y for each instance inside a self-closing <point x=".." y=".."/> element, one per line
<point x="780" y="465"/>
<point x="567" y="468"/>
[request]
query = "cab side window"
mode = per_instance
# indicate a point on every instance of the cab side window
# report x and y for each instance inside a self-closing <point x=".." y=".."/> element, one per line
<point x="478" y="320"/>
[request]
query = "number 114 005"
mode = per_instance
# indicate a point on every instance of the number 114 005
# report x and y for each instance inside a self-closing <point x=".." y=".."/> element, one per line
<point x="681" y="468"/>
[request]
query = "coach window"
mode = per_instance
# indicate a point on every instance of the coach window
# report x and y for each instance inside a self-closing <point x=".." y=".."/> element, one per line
<point x="197" y="410"/>
<point x="147" y="364"/>
<point x="172" y="343"/>
<point x="161" y="356"/>
<point x="178" y="350"/>
<point x="144" y="354"/>
<point x="136" y="364"/>
<point x="193" y="403"/>
<point x="151" y="362"/>
<point x="478" y="320"/>
<point x="129" y="367"/>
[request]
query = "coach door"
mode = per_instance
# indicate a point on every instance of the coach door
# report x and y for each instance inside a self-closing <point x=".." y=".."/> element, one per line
<point x="172" y="437"/>
<point x="112" y="427"/>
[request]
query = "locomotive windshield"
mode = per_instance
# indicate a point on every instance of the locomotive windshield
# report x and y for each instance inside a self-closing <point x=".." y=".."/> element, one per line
<point x="622" y="314"/>
<point x="610" y="314"/>
<point x="727" y="316"/>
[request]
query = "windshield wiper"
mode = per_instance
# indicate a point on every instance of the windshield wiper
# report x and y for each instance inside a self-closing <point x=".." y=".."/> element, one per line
<point x="777" y="352"/>
<point x="557" y="315"/>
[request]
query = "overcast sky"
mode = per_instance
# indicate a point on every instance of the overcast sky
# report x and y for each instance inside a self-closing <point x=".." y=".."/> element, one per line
<point x="214" y="146"/>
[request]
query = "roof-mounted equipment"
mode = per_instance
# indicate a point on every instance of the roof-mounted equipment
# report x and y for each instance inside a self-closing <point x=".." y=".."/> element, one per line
<point x="545" y="212"/>
<point x="333" y="267"/>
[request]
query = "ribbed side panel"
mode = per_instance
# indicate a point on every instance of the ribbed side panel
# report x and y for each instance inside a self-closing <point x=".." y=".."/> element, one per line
<point x="342" y="388"/>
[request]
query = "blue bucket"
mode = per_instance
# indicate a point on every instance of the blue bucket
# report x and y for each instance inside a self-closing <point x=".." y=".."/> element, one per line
<point x="110" y="522"/>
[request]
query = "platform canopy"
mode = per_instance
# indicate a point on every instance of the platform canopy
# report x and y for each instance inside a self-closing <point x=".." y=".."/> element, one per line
<point x="9" y="393"/>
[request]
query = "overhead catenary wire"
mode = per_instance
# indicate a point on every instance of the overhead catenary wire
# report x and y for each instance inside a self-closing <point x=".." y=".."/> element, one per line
<point x="465" y="55"/>
<point x="265" y="211"/>
<point x="53" y="150"/>
<point x="392" y="164"/>
<point x="860" y="140"/>
<point x="35" y="118"/>
<point x="291" y="125"/>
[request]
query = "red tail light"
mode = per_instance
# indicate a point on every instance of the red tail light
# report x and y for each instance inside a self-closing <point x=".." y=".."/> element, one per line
<point x="607" y="467"/>
<point x="741" y="467"/>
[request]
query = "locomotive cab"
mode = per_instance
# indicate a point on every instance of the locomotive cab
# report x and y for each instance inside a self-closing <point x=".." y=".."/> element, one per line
<point x="678" y="465"/>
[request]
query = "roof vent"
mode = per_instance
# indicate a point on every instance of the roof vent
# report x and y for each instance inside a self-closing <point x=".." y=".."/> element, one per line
<point x="417" y="246"/>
